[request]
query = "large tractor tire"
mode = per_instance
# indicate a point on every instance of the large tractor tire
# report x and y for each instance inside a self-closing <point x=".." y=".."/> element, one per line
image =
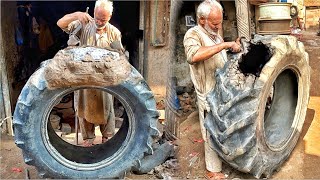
<point x="259" y="104"/>
<point x="73" y="69"/>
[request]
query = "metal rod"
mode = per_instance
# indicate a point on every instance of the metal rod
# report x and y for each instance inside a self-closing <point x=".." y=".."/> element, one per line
<point x="76" y="127"/>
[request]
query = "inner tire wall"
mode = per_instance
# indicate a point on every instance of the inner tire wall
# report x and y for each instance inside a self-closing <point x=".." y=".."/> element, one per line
<point x="236" y="120"/>
<point x="278" y="121"/>
<point x="83" y="155"/>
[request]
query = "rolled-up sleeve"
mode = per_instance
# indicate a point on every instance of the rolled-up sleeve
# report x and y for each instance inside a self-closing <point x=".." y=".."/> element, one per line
<point x="191" y="43"/>
<point x="118" y="38"/>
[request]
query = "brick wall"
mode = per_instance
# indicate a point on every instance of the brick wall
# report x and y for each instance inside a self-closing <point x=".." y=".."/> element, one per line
<point x="312" y="18"/>
<point x="311" y="2"/>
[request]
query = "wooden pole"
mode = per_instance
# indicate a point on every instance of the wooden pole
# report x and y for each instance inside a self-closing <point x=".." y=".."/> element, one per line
<point x="243" y="19"/>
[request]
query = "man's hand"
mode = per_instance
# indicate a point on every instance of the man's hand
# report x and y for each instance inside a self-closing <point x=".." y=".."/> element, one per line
<point x="234" y="46"/>
<point x="238" y="41"/>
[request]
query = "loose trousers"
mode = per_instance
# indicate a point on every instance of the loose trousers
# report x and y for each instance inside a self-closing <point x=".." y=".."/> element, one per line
<point x="213" y="162"/>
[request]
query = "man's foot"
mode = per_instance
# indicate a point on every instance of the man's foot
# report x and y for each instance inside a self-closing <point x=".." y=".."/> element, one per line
<point x="214" y="175"/>
<point x="87" y="143"/>
<point x="104" y="139"/>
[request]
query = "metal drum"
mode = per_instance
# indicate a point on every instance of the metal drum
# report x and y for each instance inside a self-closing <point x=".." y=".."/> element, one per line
<point x="274" y="18"/>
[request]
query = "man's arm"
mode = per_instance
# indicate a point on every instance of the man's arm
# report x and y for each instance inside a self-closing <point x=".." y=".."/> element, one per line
<point x="205" y="52"/>
<point x="67" y="19"/>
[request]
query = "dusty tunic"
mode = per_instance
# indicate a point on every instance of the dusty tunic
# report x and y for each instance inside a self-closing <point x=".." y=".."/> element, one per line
<point x="202" y="73"/>
<point x="88" y="35"/>
<point x="93" y="105"/>
<point x="202" y="76"/>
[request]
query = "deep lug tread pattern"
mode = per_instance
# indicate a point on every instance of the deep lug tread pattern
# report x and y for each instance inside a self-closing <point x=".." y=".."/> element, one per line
<point x="20" y="144"/>
<point x="29" y="161"/>
<point x="234" y="121"/>
<point x="29" y="114"/>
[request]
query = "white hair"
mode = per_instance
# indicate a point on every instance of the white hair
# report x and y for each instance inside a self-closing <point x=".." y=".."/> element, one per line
<point x="106" y="4"/>
<point x="205" y="8"/>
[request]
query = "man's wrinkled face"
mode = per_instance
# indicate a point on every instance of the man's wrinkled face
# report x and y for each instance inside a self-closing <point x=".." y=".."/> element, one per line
<point x="214" y="22"/>
<point x="101" y="17"/>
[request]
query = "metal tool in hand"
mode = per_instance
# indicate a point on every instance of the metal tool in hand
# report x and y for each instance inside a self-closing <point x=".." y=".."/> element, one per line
<point x="73" y="38"/>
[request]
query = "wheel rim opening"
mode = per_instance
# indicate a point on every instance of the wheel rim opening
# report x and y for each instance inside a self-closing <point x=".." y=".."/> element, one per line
<point x="281" y="109"/>
<point x="254" y="60"/>
<point x="62" y="133"/>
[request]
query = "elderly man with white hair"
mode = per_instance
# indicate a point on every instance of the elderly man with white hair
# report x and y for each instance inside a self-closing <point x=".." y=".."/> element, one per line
<point x="206" y="52"/>
<point x="93" y="106"/>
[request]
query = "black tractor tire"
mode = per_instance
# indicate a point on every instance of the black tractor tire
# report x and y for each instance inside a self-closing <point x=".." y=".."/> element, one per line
<point x="55" y="158"/>
<point x="256" y="115"/>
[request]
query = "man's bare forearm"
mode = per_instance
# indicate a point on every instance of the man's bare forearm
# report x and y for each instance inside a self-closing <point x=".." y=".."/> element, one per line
<point x="83" y="17"/>
<point x="66" y="20"/>
<point x="206" y="52"/>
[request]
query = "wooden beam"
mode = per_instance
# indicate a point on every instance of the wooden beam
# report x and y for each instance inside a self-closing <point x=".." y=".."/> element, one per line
<point x="243" y="19"/>
<point x="5" y="90"/>
<point x="142" y="42"/>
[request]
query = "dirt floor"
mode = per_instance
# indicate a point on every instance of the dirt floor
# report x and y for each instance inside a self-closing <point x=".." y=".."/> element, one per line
<point x="190" y="152"/>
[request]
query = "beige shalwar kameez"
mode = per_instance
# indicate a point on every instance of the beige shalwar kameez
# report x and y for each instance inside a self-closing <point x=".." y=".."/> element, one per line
<point x="202" y="76"/>
<point x="92" y="106"/>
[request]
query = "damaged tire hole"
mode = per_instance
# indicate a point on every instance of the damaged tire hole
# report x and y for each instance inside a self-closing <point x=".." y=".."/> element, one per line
<point x="63" y="146"/>
<point x="254" y="60"/>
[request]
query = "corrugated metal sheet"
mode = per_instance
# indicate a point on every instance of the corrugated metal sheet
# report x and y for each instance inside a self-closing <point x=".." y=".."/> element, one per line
<point x="312" y="2"/>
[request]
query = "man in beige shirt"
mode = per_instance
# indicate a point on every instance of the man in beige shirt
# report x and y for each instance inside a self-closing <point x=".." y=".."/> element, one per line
<point x="206" y="52"/>
<point x="93" y="106"/>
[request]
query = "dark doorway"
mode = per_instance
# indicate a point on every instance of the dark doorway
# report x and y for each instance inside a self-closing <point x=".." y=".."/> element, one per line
<point x="126" y="18"/>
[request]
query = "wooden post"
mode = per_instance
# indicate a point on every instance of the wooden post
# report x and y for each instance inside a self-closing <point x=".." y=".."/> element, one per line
<point x="243" y="19"/>
<point x="7" y="116"/>
<point x="141" y="41"/>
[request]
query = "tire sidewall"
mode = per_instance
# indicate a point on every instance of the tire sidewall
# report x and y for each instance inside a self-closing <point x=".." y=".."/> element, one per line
<point x="270" y="72"/>
<point x="35" y="148"/>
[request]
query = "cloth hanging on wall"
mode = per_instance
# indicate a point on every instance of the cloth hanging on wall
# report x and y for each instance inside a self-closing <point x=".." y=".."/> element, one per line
<point x="45" y="38"/>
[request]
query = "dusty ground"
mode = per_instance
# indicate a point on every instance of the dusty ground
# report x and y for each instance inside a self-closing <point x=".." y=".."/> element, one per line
<point x="299" y="165"/>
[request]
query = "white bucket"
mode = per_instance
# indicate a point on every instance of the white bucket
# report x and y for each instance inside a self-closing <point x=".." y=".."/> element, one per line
<point x="55" y="121"/>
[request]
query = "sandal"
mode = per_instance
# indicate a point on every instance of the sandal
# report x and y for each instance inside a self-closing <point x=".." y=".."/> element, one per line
<point x="104" y="139"/>
<point x="214" y="175"/>
<point x="87" y="143"/>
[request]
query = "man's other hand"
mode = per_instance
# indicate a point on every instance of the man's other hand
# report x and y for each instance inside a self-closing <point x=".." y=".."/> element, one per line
<point x="238" y="41"/>
<point x="234" y="46"/>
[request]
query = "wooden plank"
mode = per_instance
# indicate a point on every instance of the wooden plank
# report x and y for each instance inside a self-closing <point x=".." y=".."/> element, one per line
<point x="142" y="25"/>
<point x="2" y="109"/>
<point x="243" y="19"/>
<point x="5" y="95"/>
<point x="159" y="22"/>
